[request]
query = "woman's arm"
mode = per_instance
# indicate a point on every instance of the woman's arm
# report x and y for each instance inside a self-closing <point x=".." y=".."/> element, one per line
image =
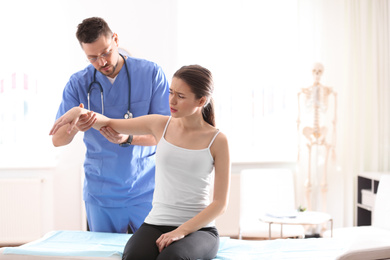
<point x="149" y="124"/>
<point x="220" y="150"/>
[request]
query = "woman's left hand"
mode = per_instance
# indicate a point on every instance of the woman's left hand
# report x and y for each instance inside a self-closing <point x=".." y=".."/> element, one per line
<point x="168" y="238"/>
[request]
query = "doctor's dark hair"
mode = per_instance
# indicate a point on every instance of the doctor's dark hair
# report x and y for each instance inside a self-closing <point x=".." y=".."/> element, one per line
<point x="90" y="29"/>
<point x="200" y="80"/>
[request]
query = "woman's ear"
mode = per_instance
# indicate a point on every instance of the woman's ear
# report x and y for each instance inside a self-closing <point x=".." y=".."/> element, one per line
<point x="202" y="101"/>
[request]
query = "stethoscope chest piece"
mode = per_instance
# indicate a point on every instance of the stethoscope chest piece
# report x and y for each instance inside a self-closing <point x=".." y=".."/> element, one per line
<point x="128" y="115"/>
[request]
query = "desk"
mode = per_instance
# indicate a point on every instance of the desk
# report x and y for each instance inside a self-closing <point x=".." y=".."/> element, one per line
<point x="301" y="218"/>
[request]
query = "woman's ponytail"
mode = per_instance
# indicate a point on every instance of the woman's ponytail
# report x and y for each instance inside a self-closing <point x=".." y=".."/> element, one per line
<point x="208" y="112"/>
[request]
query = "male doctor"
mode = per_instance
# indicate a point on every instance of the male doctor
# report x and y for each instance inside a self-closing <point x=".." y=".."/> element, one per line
<point x="119" y="169"/>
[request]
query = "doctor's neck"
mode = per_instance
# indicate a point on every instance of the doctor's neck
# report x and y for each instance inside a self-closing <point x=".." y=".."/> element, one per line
<point x="116" y="68"/>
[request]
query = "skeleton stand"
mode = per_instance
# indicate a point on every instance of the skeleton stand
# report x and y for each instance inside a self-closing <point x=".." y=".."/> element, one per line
<point x="316" y="98"/>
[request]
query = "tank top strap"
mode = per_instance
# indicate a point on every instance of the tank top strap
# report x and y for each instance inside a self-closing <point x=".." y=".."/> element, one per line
<point x="212" y="141"/>
<point x="166" y="126"/>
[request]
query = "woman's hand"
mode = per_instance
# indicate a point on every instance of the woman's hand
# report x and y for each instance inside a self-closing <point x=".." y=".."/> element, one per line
<point x="72" y="117"/>
<point x="168" y="238"/>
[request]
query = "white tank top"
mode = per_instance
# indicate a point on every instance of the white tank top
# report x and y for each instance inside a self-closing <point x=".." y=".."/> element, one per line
<point x="183" y="179"/>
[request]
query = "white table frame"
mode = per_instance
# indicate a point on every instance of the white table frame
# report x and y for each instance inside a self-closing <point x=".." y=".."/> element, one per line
<point x="301" y="218"/>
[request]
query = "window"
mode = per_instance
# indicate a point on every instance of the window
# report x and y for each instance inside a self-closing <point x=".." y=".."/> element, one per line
<point x="23" y="117"/>
<point x="37" y="59"/>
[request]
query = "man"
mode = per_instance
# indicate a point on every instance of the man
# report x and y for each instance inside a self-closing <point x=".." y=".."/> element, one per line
<point x="119" y="169"/>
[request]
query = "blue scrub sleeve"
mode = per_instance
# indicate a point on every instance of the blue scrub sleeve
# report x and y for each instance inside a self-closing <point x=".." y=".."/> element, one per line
<point x="160" y="98"/>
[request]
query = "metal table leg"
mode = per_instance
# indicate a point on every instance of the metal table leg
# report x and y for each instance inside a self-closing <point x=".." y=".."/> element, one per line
<point x="269" y="230"/>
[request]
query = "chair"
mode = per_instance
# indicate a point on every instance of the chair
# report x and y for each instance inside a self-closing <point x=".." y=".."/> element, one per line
<point x="380" y="227"/>
<point x="263" y="191"/>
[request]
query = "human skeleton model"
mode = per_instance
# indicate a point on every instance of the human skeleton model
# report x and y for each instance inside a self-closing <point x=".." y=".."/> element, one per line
<point x="316" y="101"/>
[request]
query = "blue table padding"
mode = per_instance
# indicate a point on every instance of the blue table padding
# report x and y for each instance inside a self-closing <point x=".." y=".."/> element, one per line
<point x="95" y="244"/>
<point x="74" y="243"/>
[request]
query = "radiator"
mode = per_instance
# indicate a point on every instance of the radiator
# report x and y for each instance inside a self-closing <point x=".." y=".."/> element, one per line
<point x="20" y="210"/>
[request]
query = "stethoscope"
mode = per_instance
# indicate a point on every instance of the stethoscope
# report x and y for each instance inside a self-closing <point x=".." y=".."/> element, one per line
<point x="128" y="114"/>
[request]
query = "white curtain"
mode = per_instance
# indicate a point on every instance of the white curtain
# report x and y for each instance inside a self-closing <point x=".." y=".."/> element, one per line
<point x="365" y="132"/>
<point x="352" y="38"/>
<point x="368" y="58"/>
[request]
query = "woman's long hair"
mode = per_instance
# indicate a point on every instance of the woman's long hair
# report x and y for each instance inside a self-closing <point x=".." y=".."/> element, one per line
<point x="200" y="80"/>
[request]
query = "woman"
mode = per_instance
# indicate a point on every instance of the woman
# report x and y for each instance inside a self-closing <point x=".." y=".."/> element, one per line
<point x="181" y="222"/>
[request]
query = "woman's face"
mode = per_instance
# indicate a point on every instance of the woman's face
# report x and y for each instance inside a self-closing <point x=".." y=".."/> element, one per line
<point x="182" y="100"/>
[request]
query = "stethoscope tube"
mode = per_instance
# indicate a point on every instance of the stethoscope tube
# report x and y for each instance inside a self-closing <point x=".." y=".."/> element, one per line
<point x="128" y="114"/>
<point x="90" y="89"/>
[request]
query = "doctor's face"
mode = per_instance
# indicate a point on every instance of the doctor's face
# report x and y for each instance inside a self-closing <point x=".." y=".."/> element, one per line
<point x="103" y="54"/>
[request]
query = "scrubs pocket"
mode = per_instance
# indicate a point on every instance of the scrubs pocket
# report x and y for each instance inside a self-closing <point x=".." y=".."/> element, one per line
<point x="93" y="166"/>
<point x="140" y="108"/>
<point x="147" y="162"/>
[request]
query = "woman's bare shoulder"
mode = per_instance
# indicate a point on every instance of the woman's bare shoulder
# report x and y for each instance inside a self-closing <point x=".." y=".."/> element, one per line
<point x="220" y="142"/>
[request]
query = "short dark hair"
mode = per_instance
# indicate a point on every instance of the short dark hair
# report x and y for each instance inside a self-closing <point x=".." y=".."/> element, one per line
<point x="90" y="29"/>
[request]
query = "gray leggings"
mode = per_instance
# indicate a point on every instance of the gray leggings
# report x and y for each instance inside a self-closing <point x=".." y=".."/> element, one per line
<point x="201" y="244"/>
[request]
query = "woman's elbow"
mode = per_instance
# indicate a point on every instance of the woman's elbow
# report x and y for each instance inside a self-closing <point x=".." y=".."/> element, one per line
<point x="222" y="207"/>
<point x="57" y="142"/>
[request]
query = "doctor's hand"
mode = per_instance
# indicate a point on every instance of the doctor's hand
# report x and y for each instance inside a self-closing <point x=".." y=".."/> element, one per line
<point x="71" y="117"/>
<point x="168" y="238"/>
<point x="85" y="121"/>
<point x="112" y="135"/>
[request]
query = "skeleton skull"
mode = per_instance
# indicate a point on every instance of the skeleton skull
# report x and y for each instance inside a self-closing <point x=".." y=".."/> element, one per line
<point x="318" y="70"/>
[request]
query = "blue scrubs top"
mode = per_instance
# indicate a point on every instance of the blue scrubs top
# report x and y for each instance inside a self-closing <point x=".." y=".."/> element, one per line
<point x="118" y="176"/>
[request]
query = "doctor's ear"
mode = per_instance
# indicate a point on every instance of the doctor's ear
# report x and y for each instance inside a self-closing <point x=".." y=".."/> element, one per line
<point x="115" y="38"/>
